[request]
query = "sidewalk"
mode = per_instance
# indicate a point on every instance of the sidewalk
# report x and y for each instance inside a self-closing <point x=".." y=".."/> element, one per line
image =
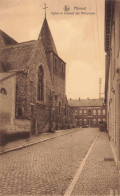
<point x="99" y="175"/>
<point x="19" y="144"/>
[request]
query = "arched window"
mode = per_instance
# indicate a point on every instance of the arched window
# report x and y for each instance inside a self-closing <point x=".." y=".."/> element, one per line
<point x="40" y="90"/>
<point x="3" y="91"/>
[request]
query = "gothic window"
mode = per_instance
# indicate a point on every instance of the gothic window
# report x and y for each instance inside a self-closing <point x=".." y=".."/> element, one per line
<point x="3" y="91"/>
<point x="40" y="90"/>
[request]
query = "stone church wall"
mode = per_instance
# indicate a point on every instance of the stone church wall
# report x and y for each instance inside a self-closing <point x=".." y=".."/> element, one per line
<point x="35" y="110"/>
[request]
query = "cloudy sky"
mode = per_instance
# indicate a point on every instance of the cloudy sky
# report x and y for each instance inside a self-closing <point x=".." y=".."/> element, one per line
<point x="79" y="38"/>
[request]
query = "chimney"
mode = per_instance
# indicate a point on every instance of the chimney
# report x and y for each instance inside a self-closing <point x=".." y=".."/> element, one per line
<point x="79" y="98"/>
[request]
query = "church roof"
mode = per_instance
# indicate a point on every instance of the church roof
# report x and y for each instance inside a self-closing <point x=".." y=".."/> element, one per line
<point x="85" y="102"/>
<point x="15" y="57"/>
<point x="6" y="40"/>
<point x="46" y="37"/>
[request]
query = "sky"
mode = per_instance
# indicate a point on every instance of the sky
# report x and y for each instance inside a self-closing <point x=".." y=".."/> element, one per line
<point x="78" y="35"/>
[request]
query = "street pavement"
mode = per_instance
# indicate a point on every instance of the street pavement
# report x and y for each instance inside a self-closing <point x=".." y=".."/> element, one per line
<point x="49" y="167"/>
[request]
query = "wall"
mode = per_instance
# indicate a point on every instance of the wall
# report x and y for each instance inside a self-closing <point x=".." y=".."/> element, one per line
<point x="36" y="111"/>
<point x="113" y="77"/>
<point x="7" y="103"/>
<point x="22" y="125"/>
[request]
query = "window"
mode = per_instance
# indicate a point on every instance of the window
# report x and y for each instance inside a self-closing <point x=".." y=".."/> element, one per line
<point x="104" y="120"/>
<point x="85" y="111"/>
<point x="85" y="120"/>
<point x="94" y="112"/>
<point x="99" y="120"/>
<point x="40" y="90"/>
<point x="103" y="112"/>
<point x="99" y="112"/>
<point x="3" y="91"/>
<point x="80" y="111"/>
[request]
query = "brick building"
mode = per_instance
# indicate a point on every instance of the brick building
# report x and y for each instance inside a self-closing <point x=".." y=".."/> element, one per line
<point x="112" y="80"/>
<point x="88" y="112"/>
<point x="39" y="102"/>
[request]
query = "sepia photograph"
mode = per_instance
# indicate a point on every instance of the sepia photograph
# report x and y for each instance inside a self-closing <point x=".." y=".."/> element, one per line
<point x="59" y="98"/>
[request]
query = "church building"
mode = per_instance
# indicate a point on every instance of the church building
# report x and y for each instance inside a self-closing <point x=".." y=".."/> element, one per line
<point x="32" y="85"/>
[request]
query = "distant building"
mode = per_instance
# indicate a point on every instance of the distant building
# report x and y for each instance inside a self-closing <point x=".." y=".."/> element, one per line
<point x="88" y="112"/>
<point x="112" y="79"/>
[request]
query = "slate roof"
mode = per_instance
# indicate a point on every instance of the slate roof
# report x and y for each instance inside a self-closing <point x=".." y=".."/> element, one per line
<point x="5" y="75"/>
<point x="46" y="37"/>
<point x="6" y="40"/>
<point x="85" y="102"/>
<point x="15" y="57"/>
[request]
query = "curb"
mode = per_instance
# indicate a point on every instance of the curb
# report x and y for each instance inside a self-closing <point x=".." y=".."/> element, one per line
<point x="31" y="144"/>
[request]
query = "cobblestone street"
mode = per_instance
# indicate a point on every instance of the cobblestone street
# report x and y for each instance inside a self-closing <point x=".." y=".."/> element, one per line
<point x="48" y="168"/>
